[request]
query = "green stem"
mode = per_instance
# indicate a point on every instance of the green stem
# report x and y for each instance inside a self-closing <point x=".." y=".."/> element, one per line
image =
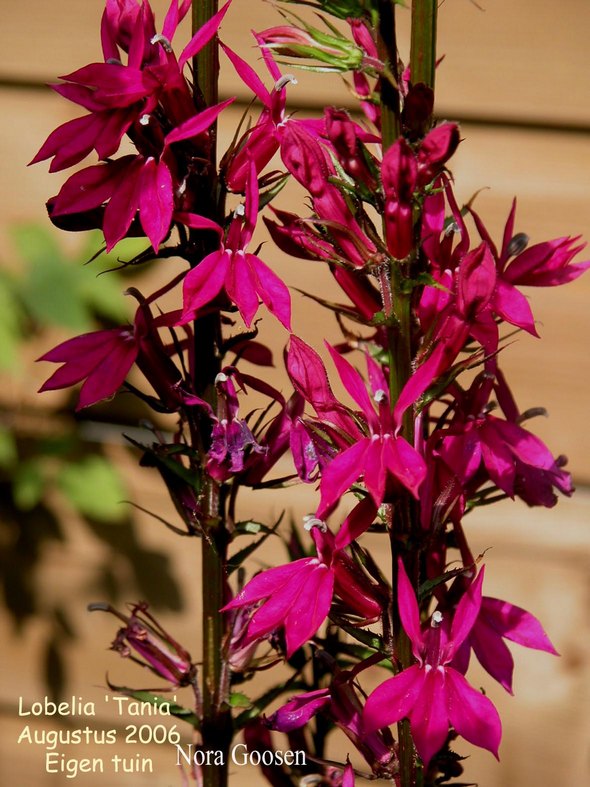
<point x="387" y="48"/>
<point x="423" y="41"/>
<point x="404" y="515"/>
<point x="206" y="62"/>
<point x="216" y="722"/>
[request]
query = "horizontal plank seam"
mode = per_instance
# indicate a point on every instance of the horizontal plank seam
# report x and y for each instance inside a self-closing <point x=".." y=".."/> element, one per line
<point x="498" y="121"/>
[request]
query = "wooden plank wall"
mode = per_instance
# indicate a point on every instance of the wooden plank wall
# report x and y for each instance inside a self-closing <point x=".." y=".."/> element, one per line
<point x="516" y="75"/>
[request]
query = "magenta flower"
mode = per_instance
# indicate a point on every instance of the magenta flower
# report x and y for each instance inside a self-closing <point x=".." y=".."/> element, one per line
<point x="231" y="438"/>
<point x="119" y="96"/>
<point x="402" y="173"/>
<point x="546" y="264"/>
<point x="299" y="710"/>
<point x="499" y="620"/>
<point x="132" y="99"/>
<point x="399" y="173"/>
<point x="102" y="358"/>
<point x="378" y="457"/>
<point x="348" y="776"/>
<point x="342" y="704"/>
<point x="243" y="276"/>
<point x="143" y="640"/>
<point x="261" y="142"/>
<point x="131" y="184"/>
<point x="517" y="462"/>
<point x="297" y="597"/>
<point x="432" y="694"/>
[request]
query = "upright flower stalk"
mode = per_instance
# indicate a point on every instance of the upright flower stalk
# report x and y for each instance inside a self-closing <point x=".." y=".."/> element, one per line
<point x="405" y="516"/>
<point x="216" y="720"/>
<point x="428" y="428"/>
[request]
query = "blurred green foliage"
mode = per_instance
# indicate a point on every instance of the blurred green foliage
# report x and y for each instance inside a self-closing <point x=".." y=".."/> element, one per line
<point x="47" y="469"/>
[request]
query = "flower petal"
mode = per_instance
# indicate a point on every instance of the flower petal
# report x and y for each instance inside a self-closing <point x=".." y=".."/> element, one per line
<point x="492" y="653"/>
<point x="338" y="476"/>
<point x="203" y="283"/>
<point x="404" y="462"/>
<point x="393" y="700"/>
<point x="203" y="35"/>
<point x="516" y="624"/>
<point x="240" y="285"/>
<point x="408" y="609"/>
<point x="355" y="385"/>
<point x="197" y="124"/>
<point x="156" y="201"/>
<point x="310" y="607"/>
<point x="466" y="613"/>
<point x="429" y="718"/>
<point x="299" y="710"/>
<point x="272" y="290"/>
<point x="472" y="714"/>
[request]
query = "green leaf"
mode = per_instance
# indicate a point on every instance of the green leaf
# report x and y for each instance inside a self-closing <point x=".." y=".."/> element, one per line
<point x="11" y="318"/>
<point x="78" y="293"/>
<point x="28" y="484"/>
<point x="236" y="561"/>
<point x="426" y="588"/>
<point x="251" y="528"/>
<point x="239" y="700"/>
<point x="35" y="243"/>
<point x="8" y="451"/>
<point x="270" y="193"/>
<point x="94" y="487"/>
<point x="368" y="638"/>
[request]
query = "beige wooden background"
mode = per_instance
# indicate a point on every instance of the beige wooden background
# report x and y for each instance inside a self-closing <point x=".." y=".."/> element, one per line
<point x="516" y="74"/>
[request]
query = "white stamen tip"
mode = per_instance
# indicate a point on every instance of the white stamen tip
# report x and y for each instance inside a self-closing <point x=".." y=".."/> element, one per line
<point x="437" y="619"/>
<point x="285" y="80"/>
<point x="310" y="521"/>
<point x="380" y="396"/>
<point x="240" y="210"/>
<point x="160" y="39"/>
<point x="221" y="378"/>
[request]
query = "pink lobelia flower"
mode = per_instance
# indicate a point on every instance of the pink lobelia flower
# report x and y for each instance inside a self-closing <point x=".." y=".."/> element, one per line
<point x="342" y="704"/>
<point x="432" y="694"/>
<point x="118" y="95"/>
<point x="477" y="297"/>
<point x="102" y="358"/>
<point x="499" y="620"/>
<point x="297" y="596"/>
<point x="245" y="277"/>
<point x="156" y="649"/>
<point x="232" y="440"/>
<point x="261" y="142"/>
<point x="133" y="183"/>
<point x="379" y="456"/>
<point x="517" y="462"/>
<point x="149" y="99"/>
<point x="402" y="173"/>
<point x="545" y="264"/>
